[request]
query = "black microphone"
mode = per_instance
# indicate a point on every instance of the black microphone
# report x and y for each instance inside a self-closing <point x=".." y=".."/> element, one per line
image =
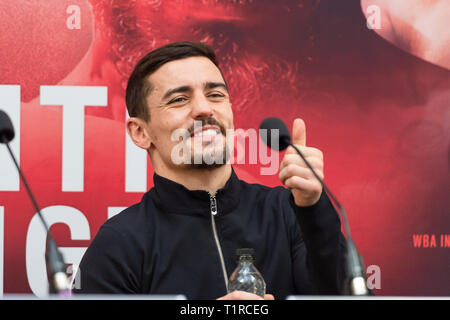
<point x="56" y="273"/>
<point x="276" y="129"/>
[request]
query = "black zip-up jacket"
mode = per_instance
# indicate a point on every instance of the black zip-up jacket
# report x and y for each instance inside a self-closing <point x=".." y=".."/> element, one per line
<point x="177" y="241"/>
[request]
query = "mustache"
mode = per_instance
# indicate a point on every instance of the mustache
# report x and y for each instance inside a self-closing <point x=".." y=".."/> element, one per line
<point x="208" y="121"/>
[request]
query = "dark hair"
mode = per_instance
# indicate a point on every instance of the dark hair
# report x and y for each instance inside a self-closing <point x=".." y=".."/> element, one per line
<point x="139" y="87"/>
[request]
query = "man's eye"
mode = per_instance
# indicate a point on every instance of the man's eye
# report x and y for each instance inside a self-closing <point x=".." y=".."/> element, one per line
<point x="177" y="100"/>
<point x="216" y="95"/>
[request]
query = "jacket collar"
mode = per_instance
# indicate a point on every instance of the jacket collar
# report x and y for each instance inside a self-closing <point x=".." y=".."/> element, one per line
<point x="172" y="197"/>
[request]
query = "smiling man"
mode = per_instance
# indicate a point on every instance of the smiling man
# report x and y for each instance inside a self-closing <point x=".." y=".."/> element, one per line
<point x="179" y="93"/>
<point x="182" y="237"/>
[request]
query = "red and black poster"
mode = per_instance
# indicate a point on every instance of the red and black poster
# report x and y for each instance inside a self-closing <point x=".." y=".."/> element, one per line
<point x="371" y="80"/>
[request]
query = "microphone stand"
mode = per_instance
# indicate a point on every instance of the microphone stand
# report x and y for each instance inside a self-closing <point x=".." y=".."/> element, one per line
<point x="357" y="285"/>
<point x="57" y="277"/>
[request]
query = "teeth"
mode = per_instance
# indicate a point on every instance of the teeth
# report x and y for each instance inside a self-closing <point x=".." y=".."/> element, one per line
<point x="208" y="132"/>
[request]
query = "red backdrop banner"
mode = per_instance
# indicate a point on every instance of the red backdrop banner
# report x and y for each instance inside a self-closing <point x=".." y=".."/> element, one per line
<point x="371" y="82"/>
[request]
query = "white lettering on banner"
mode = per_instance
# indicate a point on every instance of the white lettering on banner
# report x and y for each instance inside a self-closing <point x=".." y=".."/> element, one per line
<point x="36" y="241"/>
<point x="112" y="211"/>
<point x="2" y="241"/>
<point x="73" y="99"/>
<point x="10" y="103"/>
<point x="135" y="166"/>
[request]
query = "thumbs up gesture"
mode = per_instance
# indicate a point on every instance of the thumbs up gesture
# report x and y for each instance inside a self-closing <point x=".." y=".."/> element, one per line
<point x="295" y="174"/>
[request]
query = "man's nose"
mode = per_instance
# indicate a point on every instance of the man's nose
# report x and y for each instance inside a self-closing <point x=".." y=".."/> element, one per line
<point x="201" y="108"/>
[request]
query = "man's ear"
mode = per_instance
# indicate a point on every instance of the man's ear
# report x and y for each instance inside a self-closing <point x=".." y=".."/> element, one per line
<point x="137" y="130"/>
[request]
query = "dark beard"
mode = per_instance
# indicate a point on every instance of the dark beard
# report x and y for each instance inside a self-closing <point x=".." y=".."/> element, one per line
<point x="215" y="164"/>
<point x="225" y="151"/>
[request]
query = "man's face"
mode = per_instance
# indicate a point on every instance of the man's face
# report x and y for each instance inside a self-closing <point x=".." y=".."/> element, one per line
<point x="188" y="95"/>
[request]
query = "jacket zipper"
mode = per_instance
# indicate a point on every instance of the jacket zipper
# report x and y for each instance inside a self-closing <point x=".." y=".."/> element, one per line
<point x="213" y="203"/>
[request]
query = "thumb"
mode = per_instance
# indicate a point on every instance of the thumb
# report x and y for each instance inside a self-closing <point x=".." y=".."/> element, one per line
<point x="299" y="132"/>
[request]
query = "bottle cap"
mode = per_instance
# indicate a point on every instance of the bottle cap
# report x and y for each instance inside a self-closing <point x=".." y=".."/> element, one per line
<point x="245" y="252"/>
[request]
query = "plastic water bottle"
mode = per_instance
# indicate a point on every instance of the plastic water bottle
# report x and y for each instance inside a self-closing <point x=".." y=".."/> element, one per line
<point x="246" y="277"/>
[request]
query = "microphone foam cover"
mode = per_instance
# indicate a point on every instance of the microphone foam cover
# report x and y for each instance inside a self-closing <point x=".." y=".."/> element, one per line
<point x="273" y="130"/>
<point x="6" y="127"/>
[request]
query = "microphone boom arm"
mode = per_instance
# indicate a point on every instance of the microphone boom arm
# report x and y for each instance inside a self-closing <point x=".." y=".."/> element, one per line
<point x="355" y="269"/>
<point x="58" y="282"/>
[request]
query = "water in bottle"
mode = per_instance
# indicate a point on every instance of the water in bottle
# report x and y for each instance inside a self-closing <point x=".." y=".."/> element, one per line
<point x="246" y="277"/>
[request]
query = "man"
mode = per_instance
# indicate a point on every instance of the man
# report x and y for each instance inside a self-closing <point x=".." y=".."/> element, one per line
<point x="182" y="237"/>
